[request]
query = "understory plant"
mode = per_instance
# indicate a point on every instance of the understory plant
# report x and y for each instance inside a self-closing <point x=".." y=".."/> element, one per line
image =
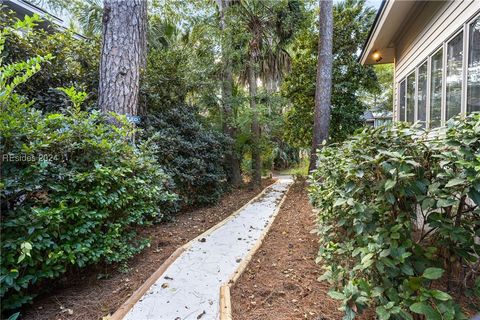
<point x="76" y="61"/>
<point x="190" y="151"/>
<point x="73" y="188"/>
<point x="399" y="219"/>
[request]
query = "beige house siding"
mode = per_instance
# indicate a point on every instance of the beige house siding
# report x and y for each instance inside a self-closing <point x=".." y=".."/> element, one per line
<point x="425" y="32"/>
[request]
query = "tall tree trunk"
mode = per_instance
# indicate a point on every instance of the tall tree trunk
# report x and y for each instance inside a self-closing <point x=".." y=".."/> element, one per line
<point x="323" y="89"/>
<point x="229" y="129"/>
<point x="256" y="158"/>
<point x="123" y="55"/>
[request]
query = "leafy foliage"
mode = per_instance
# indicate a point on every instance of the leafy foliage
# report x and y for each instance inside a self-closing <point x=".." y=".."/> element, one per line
<point x="352" y="20"/>
<point x="73" y="187"/>
<point x="75" y="64"/>
<point x="380" y="98"/>
<point x="172" y="79"/>
<point x="85" y="15"/>
<point x="400" y="212"/>
<point x="276" y="153"/>
<point x="181" y="66"/>
<point x="179" y="86"/>
<point x="189" y="151"/>
<point x="263" y="30"/>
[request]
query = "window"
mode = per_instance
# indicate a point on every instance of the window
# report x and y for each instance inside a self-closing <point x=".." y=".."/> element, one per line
<point x="422" y="93"/>
<point x="473" y="70"/>
<point x="401" y="115"/>
<point x="447" y="83"/>
<point x="436" y="89"/>
<point x="382" y="122"/>
<point x="410" y="98"/>
<point x="454" y="76"/>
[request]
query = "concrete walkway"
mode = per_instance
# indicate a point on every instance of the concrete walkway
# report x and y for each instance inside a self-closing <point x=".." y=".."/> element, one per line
<point x="189" y="288"/>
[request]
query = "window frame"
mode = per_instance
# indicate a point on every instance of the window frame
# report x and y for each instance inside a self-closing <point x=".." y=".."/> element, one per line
<point x="466" y="56"/>
<point x="429" y="79"/>
<point x="445" y="62"/>
<point x="404" y="82"/>
<point x="417" y="84"/>
<point x="414" y="73"/>
<point x="429" y="85"/>
<point x="465" y="29"/>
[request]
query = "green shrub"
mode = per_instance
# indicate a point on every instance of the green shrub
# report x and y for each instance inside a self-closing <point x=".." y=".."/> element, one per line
<point x="285" y="156"/>
<point x="397" y="217"/>
<point x="76" y="62"/>
<point x="190" y="152"/>
<point x="73" y="187"/>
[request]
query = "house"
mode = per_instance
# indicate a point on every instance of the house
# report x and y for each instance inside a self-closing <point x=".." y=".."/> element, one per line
<point x="435" y="49"/>
<point x="50" y="22"/>
<point x="24" y="8"/>
<point x="377" y="117"/>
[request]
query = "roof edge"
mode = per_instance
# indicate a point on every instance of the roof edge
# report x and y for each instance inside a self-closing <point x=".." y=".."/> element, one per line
<point x="380" y="12"/>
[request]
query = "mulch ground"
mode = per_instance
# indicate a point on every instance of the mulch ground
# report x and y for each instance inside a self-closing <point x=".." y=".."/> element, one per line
<point x="280" y="283"/>
<point x="95" y="293"/>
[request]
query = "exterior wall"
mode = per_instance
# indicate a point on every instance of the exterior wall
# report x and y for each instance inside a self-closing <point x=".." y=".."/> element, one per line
<point x="425" y="32"/>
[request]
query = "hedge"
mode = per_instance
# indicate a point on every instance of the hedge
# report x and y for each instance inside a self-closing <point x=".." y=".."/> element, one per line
<point x="398" y="215"/>
<point x="73" y="188"/>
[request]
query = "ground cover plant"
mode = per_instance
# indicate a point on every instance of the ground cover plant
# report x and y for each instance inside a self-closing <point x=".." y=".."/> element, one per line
<point x="399" y="219"/>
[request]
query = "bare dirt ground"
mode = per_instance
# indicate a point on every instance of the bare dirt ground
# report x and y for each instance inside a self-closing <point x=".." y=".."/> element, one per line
<point x="95" y="293"/>
<point x="280" y="282"/>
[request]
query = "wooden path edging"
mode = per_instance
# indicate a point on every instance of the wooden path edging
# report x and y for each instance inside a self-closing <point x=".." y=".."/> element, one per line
<point x="138" y="294"/>
<point x="225" y="301"/>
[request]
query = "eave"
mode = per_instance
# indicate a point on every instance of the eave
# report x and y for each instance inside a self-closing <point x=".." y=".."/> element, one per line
<point x="389" y="24"/>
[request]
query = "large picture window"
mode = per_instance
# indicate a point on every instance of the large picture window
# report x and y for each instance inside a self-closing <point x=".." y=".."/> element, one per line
<point x="473" y="70"/>
<point x="436" y="89"/>
<point x="454" y="75"/>
<point x="411" y="98"/>
<point x="447" y="83"/>
<point x="422" y="93"/>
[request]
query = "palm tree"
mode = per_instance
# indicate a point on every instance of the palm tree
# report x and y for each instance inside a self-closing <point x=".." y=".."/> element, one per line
<point x="85" y="15"/>
<point x="88" y="14"/>
<point x="270" y="26"/>
<point x="323" y="88"/>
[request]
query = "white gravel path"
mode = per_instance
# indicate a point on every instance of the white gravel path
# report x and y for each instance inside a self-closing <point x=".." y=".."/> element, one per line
<point x="189" y="288"/>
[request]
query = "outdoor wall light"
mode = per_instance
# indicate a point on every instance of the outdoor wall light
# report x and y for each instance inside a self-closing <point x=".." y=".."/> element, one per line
<point x="376" y="56"/>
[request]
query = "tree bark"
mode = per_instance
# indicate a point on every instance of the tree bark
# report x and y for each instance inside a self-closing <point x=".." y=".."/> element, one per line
<point x="256" y="157"/>
<point x="123" y="55"/>
<point x="229" y="129"/>
<point x="323" y="89"/>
